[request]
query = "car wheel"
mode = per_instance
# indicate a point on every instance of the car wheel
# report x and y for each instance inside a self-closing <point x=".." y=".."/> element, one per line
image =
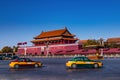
<point x="36" y="65"/>
<point x="16" y="66"/>
<point x="96" y="65"/>
<point x="74" y="66"/>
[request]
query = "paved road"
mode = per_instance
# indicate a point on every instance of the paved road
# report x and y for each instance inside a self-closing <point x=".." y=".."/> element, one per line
<point x="54" y="69"/>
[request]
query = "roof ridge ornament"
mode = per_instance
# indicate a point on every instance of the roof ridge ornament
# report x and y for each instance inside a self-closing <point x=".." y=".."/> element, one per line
<point x="65" y="27"/>
<point x="42" y="31"/>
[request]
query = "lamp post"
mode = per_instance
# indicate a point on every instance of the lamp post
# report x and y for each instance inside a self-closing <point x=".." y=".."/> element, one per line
<point x="25" y="48"/>
<point x="23" y="43"/>
<point x="101" y="44"/>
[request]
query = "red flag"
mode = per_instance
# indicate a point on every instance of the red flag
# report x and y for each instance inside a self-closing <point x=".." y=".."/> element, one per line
<point x="19" y="43"/>
<point x="24" y="43"/>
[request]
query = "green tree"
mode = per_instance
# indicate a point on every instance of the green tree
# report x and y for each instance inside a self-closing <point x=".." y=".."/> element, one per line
<point x="15" y="48"/>
<point x="114" y="45"/>
<point x="7" y="49"/>
<point x="0" y="51"/>
<point x="91" y="42"/>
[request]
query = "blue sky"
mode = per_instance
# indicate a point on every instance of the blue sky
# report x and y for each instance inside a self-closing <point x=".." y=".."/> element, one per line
<point x="21" y="20"/>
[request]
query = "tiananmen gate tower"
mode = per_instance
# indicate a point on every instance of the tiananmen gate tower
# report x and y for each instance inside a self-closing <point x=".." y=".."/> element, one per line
<point x="62" y="42"/>
<point x="56" y="42"/>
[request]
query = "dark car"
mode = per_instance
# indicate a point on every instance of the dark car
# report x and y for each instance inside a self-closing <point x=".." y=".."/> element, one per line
<point x="15" y="57"/>
<point x="7" y="56"/>
<point x="1" y="57"/>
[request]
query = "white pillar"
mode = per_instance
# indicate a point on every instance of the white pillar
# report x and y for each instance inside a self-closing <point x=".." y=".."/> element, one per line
<point x="47" y="46"/>
<point x="47" y="51"/>
<point x="101" y="52"/>
<point x="25" y="51"/>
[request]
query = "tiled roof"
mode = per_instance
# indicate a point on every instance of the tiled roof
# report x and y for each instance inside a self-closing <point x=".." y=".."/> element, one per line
<point x="113" y="39"/>
<point x="82" y="41"/>
<point x="42" y="40"/>
<point x="46" y="39"/>
<point x="53" y="33"/>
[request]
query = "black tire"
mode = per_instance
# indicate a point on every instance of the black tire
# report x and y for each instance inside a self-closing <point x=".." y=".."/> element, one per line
<point x="74" y="66"/>
<point x="16" y="66"/>
<point x="36" y="65"/>
<point x="96" y="66"/>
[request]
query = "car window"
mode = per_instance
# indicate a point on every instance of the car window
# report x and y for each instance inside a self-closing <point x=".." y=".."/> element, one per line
<point x="79" y="59"/>
<point x="86" y="59"/>
<point x="21" y="60"/>
<point x="28" y="60"/>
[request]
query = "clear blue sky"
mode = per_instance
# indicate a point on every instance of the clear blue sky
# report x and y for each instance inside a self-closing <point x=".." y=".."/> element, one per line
<point x="21" y="20"/>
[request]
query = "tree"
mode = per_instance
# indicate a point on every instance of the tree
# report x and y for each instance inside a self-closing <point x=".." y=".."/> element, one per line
<point x="91" y="42"/>
<point x="7" y="49"/>
<point x="114" y="45"/>
<point x="15" y="48"/>
<point x="0" y="51"/>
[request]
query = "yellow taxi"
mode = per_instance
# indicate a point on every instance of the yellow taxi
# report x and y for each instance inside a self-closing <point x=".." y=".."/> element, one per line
<point x="24" y="62"/>
<point x="83" y="62"/>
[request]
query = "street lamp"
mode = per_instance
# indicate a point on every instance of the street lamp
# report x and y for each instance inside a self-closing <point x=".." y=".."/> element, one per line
<point x="25" y="48"/>
<point x="101" y="44"/>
